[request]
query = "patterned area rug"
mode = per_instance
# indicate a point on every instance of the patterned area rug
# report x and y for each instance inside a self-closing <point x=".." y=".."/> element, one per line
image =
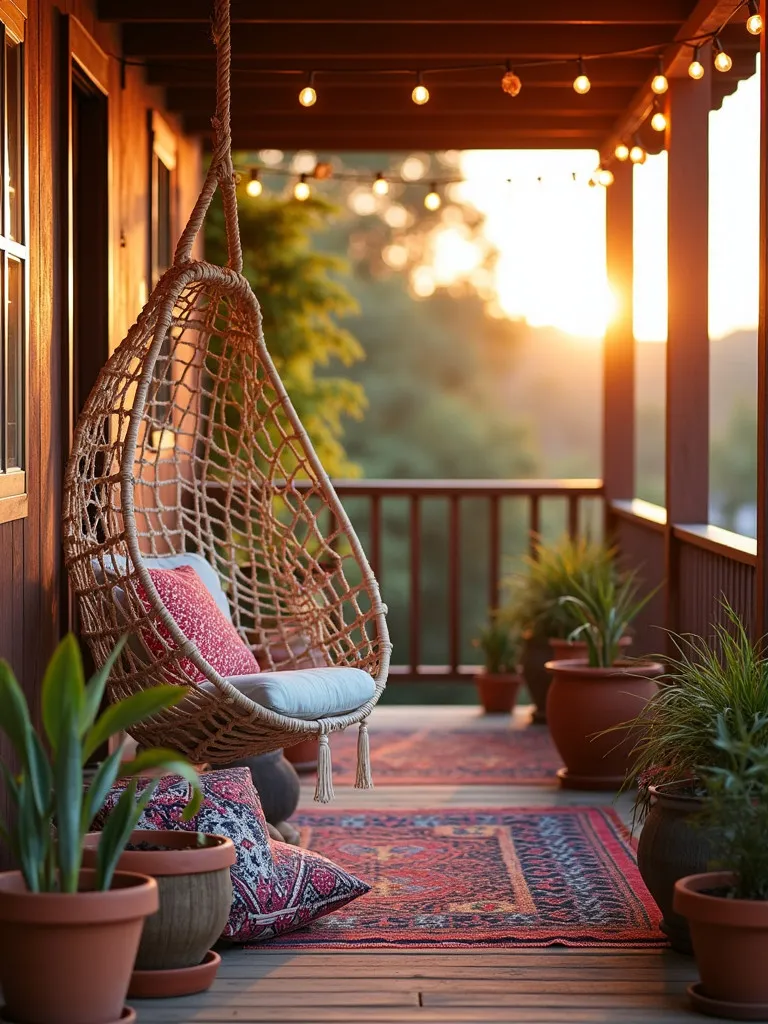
<point x="520" y="757"/>
<point x="462" y="878"/>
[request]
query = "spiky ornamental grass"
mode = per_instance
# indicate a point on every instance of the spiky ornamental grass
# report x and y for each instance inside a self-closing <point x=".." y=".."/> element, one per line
<point x="501" y="645"/>
<point x="708" y="682"/>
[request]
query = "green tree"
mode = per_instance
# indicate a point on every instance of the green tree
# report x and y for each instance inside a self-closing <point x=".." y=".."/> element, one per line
<point x="301" y="297"/>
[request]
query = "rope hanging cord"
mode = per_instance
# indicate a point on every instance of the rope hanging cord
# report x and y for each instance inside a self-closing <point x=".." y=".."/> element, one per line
<point x="189" y="443"/>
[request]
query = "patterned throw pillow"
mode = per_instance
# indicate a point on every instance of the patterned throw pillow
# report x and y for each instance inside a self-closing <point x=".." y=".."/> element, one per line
<point x="195" y="612"/>
<point x="276" y="888"/>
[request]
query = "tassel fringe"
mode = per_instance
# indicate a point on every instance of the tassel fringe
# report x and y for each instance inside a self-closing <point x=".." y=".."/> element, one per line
<point x="324" y="789"/>
<point x="364" y="779"/>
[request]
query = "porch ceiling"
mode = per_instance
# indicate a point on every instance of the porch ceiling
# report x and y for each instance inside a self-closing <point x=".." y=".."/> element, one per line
<point x="276" y="43"/>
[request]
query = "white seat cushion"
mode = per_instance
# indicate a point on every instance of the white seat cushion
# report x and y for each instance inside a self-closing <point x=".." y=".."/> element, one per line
<point x="307" y="693"/>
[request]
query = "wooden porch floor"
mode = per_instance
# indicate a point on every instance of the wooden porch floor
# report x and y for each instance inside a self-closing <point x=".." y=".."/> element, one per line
<point x="516" y="986"/>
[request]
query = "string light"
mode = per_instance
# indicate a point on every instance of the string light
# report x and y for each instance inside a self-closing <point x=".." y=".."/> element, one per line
<point x="308" y="95"/>
<point x="605" y="177"/>
<point x="722" y="61"/>
<point x="755" y="19"/>
<point x="432" y="199"/>
<point x="696" y="68"/>
<point x="637" y="154"/>
<point x="301" y="190"/>
<point x="581" y="82"/>
<point x="511" y="83"/>
<point x="621" y="152"/>
<point x="254" y="188"/>
<point x="380" y="185"/>
<point x="420" y="94"/>
<point x="659" y="120"/>
<point x="660" y="83"/>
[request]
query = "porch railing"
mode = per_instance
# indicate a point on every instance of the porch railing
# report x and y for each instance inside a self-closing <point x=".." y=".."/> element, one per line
<point x="538" y="498"/>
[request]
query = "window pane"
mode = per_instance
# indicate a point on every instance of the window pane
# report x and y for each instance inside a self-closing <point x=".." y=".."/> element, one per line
<point x="163" y="217"/>
<point x="15" y="364"/>
<point x="14" y="140"/>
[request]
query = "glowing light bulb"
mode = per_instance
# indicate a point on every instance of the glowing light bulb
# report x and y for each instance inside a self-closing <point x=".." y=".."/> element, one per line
<point x="637" y="154"/>
<point x="308" y="96"/>
<point x="722" y="61"/>
<point x="420" y="94"/>
<point x="511" y="83"/>
<point x="581" y="82"/>
<point x="605" y="177"/>
<point x="755" y="20"/>
<point x="660" y="84"/>
<point x="621" y="152"/>
<point x="696" y="68"/>
<point x="380" y="185"/>
<point x="301" y="190"/>
<point x="659" y="121"/>
<point x="254" y="188"/>
<point x="432" y="199"/>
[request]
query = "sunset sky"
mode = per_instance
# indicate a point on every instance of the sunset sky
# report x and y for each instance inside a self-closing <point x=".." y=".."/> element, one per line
<point x="551" y="232"/>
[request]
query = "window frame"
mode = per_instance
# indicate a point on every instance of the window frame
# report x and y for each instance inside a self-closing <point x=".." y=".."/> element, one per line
<point x="14" y="502"/>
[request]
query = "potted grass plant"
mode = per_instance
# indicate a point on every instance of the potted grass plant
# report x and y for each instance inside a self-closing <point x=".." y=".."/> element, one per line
<point x="68" y="935"/>
<point x="533" y="601"/>
<point x="499" y="682"/>
<point x="727" y="909"/>
<point x="709" y="684"/>
<point x="590" y="698"/>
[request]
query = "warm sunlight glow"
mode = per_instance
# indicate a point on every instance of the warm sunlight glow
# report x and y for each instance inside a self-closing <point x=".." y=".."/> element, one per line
<point x="549" y="230"/>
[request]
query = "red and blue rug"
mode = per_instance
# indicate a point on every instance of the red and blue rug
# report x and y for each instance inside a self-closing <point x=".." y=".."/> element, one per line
<point x="436" y="757"/>
<point x="467" y="878"/>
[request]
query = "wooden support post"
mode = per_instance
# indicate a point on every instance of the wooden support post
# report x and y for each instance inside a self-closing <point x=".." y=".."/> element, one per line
<point x="687" y="415"/>
<point x="761" y="597"/>
<point x="619" y="346"/>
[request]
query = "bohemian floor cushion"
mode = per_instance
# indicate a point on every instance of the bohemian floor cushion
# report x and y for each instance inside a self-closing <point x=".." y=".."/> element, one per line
<point x="276" y="888"/>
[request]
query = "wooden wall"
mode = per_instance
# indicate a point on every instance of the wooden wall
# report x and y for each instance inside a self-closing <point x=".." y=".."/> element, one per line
<point x="30" y="562"/>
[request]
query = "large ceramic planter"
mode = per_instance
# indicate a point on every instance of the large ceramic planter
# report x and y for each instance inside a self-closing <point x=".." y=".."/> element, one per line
<point x="536" y="654"/>
<point x="730" y="943"/>
<point x="570" y="650"/>
<point x="195" y="890"/>
<point x="67" y="958"/>
<point x="498" y="691"/>
<point x="303" y="756"/>
<point x="583" y="702"/>
<point x="671" y="846"/>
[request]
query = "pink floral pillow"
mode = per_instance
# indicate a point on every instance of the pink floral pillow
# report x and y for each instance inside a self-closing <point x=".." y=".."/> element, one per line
<point x="276" y="888"/>
<point x="195" y="612"/>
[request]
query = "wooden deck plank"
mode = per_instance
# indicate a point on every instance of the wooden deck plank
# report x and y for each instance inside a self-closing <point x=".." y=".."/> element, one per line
<point x="672" y="1013"/>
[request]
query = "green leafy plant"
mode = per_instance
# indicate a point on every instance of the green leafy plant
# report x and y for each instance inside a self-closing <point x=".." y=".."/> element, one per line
<point x="736" y="809"/>
<point x="708" y="685"/>
<point x="604" y="612"/>
<point x="500" y="643"/>
<point x="48" y="788"/>
<point x="552" y="572"/>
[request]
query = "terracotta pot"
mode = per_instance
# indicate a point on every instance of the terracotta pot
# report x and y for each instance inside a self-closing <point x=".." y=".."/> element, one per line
<point x="671" y="846"/>
<point x="583" y="701"/>
<point x="303" y="756"/>
<point x="730" y="943"/>
<point x="536" y="654"/>
<point x="195" y="891"/>
<point x="66" y="958"/>
<point x="498" y="691"/>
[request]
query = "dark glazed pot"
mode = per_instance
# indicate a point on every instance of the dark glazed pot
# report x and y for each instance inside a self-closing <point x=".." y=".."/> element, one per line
<point x="671" y="846"/>
<point x="276" y="782"/>
<point x="536" y="654"/>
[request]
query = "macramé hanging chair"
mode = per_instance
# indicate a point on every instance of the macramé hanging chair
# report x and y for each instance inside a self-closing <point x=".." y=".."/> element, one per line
<point x="189" y="443"/>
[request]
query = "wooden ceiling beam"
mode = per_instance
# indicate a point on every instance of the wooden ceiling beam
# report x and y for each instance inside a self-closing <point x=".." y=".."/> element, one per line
<point x="708" y="16"/>
<point x="396" y="99"/>
<point x="342" y="12"/>
<point x="298" y="126"/>
<point x="609" y="73"/>
<point x="374" y="140"/>
<point x="320" y="45"/>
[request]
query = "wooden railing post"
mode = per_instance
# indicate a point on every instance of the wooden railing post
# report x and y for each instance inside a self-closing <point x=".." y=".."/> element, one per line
<point x="761" y="597"/>
<point x="687" y="412"/>
<point x="619" y="345"/>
